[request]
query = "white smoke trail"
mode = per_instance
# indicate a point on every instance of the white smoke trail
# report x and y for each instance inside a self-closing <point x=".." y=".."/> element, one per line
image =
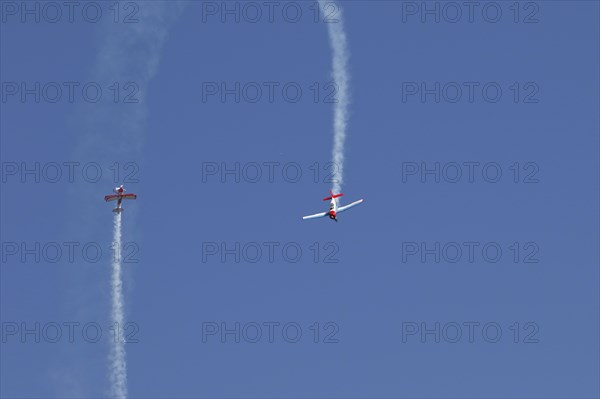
<point x="107" y="132"/>
<point x="341" y="77"/>
<point x="127" y="54"/>
<point x="118" y="363"/>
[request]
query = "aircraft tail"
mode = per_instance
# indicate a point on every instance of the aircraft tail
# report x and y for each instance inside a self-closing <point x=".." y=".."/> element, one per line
<point x="332" y="196"/>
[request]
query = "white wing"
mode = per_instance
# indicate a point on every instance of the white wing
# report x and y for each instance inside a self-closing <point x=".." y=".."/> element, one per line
<point x="343" y="208"/>
<point x="316" y="215"/>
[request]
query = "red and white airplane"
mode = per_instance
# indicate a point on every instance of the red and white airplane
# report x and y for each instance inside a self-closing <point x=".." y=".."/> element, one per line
<point x="334" y="209"/>
<point x="119" y="196"/>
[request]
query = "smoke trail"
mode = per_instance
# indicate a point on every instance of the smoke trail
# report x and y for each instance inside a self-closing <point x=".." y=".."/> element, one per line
<point x="118" y="364"/>
<point x="128" y="54"/>
<point x="106" y="132"/>
<point x="341" y="77"/>
<point x="110" y="131"/>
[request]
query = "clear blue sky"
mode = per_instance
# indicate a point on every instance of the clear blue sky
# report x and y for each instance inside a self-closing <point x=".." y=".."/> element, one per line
<point x="378" y="290"/>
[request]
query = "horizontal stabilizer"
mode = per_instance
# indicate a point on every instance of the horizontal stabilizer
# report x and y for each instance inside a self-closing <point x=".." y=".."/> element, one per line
<point x="332" y="196"/>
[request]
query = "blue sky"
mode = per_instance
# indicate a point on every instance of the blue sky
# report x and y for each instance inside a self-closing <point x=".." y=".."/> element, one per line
<point x="384" y="282"/>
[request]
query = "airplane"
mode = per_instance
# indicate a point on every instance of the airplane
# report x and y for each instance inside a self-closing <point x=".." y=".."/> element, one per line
<point x="119" y="196"/>
<point x="333" y="208"/>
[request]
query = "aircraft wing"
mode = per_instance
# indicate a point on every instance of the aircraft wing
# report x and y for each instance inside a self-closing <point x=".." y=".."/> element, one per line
<point x="129" y="196"/>
<point x="345" y="207"/>
<point x="111" y="197"/>
<point x="316" y="215"/>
